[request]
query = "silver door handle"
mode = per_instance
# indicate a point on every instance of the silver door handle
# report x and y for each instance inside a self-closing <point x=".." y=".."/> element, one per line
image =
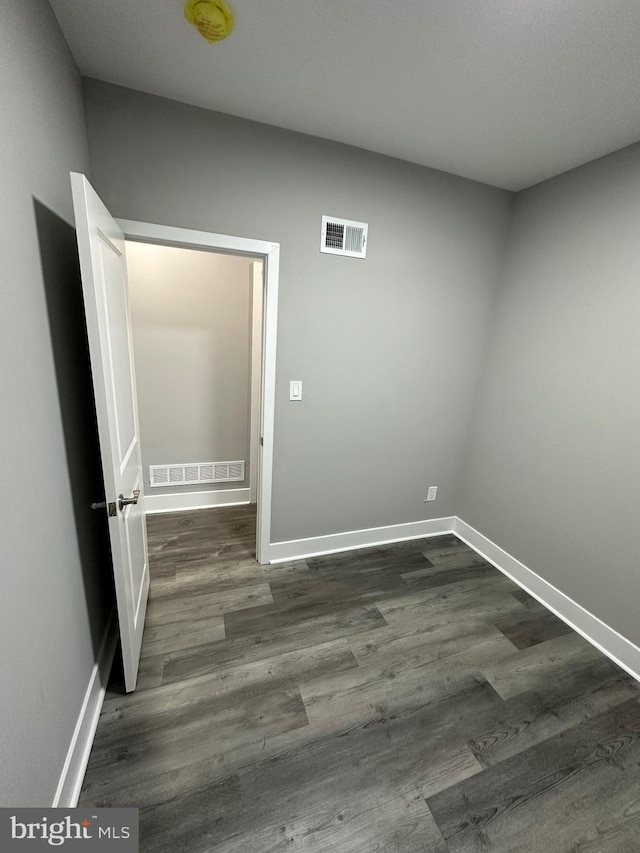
<point x="123" y="502"/>
<point x="110" y="506"/>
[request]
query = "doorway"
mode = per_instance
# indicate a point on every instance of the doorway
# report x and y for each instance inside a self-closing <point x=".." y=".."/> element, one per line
<point x="196" y="318"/>
<point x="245" y="476"/>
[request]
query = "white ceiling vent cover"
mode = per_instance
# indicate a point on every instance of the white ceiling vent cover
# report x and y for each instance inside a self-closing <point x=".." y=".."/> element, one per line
<point x="196" y="472"/>
<point x="343" y="237"/>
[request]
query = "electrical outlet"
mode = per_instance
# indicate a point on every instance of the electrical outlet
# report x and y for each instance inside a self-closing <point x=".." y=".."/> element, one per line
<point x="432" y="494"/>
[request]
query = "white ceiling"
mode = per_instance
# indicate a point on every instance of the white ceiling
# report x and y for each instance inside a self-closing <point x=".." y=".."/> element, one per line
<point x="508" y="92"/>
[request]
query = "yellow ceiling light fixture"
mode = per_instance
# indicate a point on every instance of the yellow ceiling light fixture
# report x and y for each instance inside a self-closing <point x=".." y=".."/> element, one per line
<point x="212" y="18"/>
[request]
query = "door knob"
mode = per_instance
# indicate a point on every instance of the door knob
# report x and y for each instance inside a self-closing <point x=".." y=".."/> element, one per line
<point x="123" y="502"/>
<point x="108" y="505"/>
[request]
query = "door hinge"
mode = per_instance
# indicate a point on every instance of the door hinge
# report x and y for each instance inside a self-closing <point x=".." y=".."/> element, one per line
<point x="110" y="506"/>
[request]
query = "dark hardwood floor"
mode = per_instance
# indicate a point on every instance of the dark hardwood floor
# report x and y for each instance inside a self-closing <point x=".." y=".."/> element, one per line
<point x="396" y="699"/>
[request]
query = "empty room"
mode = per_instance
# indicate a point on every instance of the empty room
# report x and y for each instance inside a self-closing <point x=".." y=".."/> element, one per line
<point x="321" y="423"/>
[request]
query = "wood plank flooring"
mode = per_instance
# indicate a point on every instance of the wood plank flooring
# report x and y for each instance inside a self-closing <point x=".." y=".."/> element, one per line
<point x="394" y="699"/>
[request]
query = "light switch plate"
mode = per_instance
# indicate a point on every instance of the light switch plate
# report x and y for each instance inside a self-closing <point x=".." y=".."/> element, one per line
<point x="432" y="494"/>
<point x="295" y="389"/>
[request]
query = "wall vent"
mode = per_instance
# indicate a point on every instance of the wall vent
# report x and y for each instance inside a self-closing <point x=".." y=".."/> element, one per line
<point x="196" y="472"/>
<point x="344" y="237"/>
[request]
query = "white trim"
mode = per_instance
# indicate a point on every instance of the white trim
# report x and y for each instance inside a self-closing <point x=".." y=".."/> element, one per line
<point x="257" y="295"/>
<point x="611" y="643"/>
<point x="181" y="502"/>
<point x="270" y="253"/>
<point x="606" y="639"/>
<point x="269" y="346"/>
<point x="167" y="235"/>
<point x="75" y="765"/>
<point x="299" y="549"/>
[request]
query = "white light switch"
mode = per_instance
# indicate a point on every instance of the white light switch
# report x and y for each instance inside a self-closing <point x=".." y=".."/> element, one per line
<point x="295" y="389"/>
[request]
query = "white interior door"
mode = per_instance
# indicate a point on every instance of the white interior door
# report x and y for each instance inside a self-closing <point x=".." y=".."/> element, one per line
<point x="104" y="281"/>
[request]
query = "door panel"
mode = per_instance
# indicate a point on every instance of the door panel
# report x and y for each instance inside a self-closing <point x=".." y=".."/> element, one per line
<point x="119" y="358"/>
<point x="106" y="299"/>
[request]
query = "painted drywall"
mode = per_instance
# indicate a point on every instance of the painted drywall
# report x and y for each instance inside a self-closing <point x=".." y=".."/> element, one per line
<point x="552" y="473"/>
<point x="387" y="347"/>
<point x="190" y="313"/>
<point x="55" y="590"/>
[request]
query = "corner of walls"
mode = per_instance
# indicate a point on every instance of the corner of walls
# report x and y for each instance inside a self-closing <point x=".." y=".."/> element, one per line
<point x="598" y="633"/>
<point x="476" y="394"/>
<point x="552" y="464"/>
<point x="606" y="639"/>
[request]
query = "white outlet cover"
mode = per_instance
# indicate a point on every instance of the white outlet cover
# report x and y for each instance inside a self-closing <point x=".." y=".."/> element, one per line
<point x="432" y="493"/>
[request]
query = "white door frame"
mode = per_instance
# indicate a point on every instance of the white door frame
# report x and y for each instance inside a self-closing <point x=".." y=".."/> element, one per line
<point x="146" y="232"/>
<point x="256" y="281"/>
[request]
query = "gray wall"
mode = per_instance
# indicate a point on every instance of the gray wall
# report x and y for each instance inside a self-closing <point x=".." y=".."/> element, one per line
<point x="52" y="606"/>
<point x="191" y="331"/>
<point x="387" y="348"/>
<point x="553" y="466"/>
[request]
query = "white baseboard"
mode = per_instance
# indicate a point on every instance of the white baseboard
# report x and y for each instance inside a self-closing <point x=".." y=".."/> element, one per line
<point x="621" y="651"/>
<point x="75" y="764"/>
<point x="181" y="501"/>
<point x="299" y="549"/>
